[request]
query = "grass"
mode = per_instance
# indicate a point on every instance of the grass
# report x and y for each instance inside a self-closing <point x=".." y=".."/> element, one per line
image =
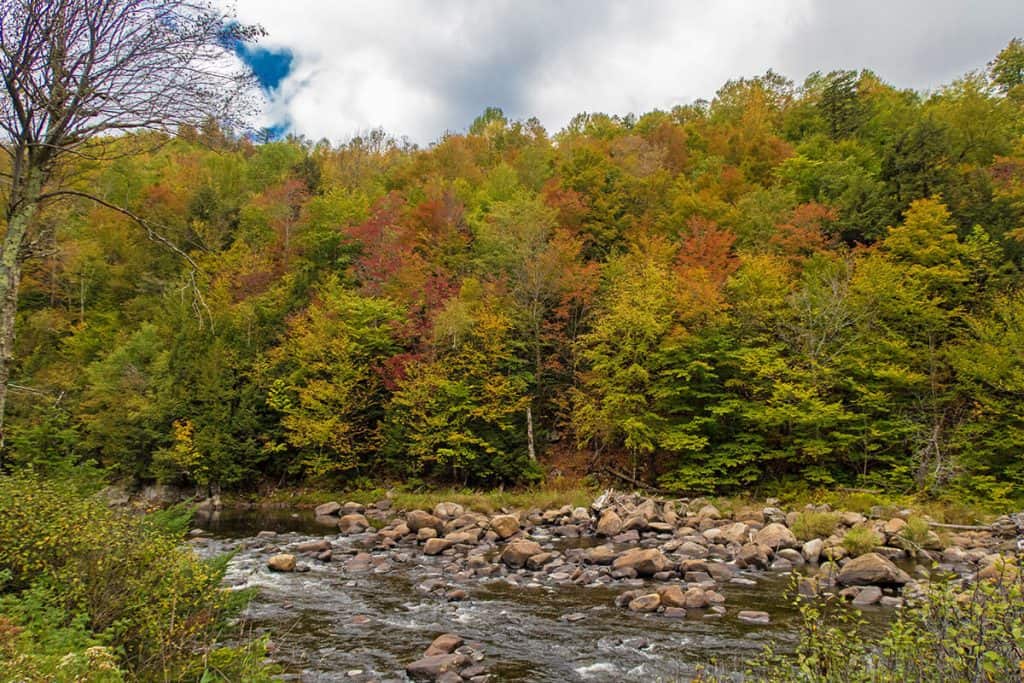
<point x="810" y="525"/>
<point x="488" y="502"/>
<point x="861" y="539"/>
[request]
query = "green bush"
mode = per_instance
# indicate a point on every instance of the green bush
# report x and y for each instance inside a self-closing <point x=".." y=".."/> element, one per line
<point x="808" y="525"/>
<point x="861" y="539"/>
<point x="950" y="634"/>
<point x="81" y="576"/>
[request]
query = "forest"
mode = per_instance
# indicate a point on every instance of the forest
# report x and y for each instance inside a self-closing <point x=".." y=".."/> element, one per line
<point x="791" y="286"/>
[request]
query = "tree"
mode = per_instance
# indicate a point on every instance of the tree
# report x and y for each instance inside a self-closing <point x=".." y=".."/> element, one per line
<point x="79" y="73"/>
<point x="1006" y="71"/>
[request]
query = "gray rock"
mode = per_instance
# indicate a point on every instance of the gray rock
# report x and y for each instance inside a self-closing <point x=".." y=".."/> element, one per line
<point x="871" y="568"/>
<point x="325" y="509"/>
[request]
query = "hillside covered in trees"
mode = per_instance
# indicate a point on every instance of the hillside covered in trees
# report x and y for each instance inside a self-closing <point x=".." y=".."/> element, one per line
<point x="817" y="283"/>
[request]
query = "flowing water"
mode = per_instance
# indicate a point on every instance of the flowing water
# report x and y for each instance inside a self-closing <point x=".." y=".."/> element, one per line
<point x="329" y="624"/>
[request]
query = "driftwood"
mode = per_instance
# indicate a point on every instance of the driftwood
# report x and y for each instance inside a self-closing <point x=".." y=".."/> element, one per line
<point x="960" y="527"/>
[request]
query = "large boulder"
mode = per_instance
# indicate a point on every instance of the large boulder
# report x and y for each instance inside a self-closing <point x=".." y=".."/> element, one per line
<point x="776" y="536"/>
<point x="420" y="519"/>
<point x="282" y="563"/>
<point x="644" y="561"/>
<point x="505" y="525"/>
<point x="517" y="552"/>
<point x="609" y="524"/>
<point x="871" y="569"/>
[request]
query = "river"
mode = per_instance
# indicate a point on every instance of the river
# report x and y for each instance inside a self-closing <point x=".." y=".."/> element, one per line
<point x="330" y="624"/>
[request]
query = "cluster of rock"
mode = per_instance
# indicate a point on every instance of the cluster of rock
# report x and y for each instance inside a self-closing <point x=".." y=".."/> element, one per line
<point x="672" y="556"/>
<point x="450" y="659"/>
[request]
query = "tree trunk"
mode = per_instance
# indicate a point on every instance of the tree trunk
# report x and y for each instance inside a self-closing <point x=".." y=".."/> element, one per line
<point x="10" y="278"/>
<point x="529" y="435"/>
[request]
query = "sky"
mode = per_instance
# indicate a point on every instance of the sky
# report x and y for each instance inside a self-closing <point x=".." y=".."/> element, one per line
<point x="418" y="68"/>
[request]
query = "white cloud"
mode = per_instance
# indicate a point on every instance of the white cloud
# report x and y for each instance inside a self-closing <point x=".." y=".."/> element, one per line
<point x="419" y="67"/>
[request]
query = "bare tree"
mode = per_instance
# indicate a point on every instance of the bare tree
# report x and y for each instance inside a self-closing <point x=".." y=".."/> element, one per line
<point x="77" y="74"/>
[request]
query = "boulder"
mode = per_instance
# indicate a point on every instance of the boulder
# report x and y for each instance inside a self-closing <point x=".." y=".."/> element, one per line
<point x="645" y="603"/>
<point x="463" y="536"/>
<point x="443" y="645"/>
<point x="601" y="554"/>
<point x="645" y="562"/>
<point x="580" y="515"/>
<point x="420" y="519"/>
<point x="535" y="562"/>
<point x="505" y="525"/>
<point x="353" y="523"/>
<point x="433" y="667"/>
<point x="609" y="524"/>
<point x="517" y="552"/>
<point x="753" y="555"/>
<point x="448" y="510"/>
<point x="436" y="546"/>
<point x="852" y="518"/>
<point x="352" y="507"/>
<point x="695" y="598"/>
<point x="871" y="568"/>
<point x="868" y="595"/>
<point x="325" y="509"/>
<point x="282" y="563"/>
<point x="672" y="596"/>
<point x="894" y="526"/>
<point x="776" y="536"/>
<point x="737" y="532"/>
<point x="709" y="512"/>
<point x="812" y="550"/>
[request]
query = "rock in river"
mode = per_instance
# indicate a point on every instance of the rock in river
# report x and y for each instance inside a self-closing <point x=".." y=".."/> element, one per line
<point x="871" y="568"/>
<point x="645" y="562"/>
<point x="282" y="563"/>
<point x="505" y="525"/>
<point x="519" y="551"/>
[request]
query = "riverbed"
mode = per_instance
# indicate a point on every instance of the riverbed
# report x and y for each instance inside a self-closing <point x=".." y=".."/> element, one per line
<point x="332" y="624"/>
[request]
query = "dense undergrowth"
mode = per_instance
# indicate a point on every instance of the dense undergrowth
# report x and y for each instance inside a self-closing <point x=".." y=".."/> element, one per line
<point x="91" y="594"/>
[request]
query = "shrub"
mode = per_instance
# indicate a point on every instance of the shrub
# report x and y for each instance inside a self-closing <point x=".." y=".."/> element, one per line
<point x="96" y="576"/>
<point x="808" y="525"/>
<point x="948" y="635"/>
<point x="861" y="539"/>
<point x="915" y="534"/>
<point x="958" y="635"/>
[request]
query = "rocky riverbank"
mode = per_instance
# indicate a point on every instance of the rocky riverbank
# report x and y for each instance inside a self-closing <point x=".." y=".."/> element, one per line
<point x="668" y="559"/>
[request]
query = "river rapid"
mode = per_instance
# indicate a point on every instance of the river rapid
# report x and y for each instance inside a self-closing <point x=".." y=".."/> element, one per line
<point x="335" y="623"/>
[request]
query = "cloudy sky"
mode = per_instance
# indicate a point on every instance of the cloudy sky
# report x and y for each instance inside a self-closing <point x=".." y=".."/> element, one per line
<point x="334" y="68"/>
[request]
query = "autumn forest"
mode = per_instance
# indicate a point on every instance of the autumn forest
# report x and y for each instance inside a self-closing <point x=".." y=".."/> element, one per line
<point x="810" y="284"/>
